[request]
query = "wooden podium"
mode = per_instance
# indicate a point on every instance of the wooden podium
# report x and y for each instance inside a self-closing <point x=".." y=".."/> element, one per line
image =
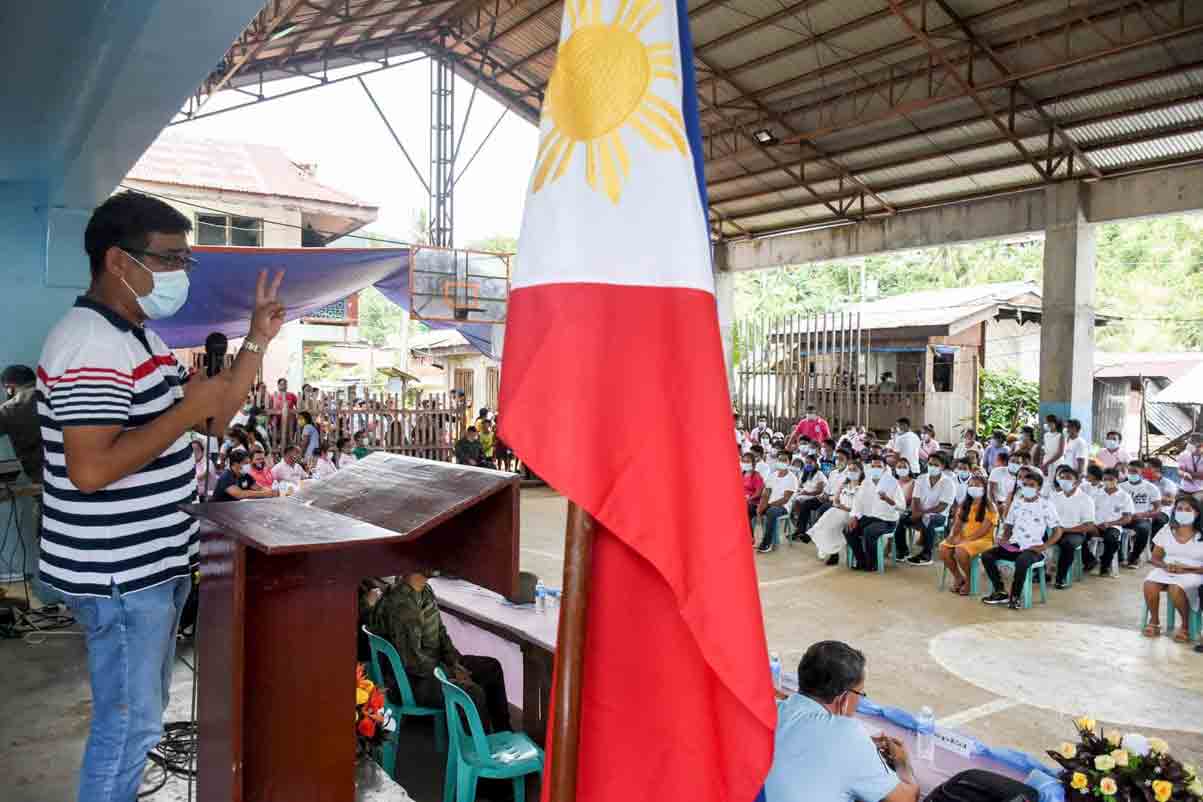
<point x="279" y="611"/>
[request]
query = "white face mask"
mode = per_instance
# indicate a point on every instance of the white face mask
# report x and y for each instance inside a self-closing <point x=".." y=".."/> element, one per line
<point x="1066" y="484"/>
<point x="976" y="492"/>
<point x="1184" y="517"/>
<point x="781" y="466"/>
<point x="1013" y="468"/>
<point x="1134" y="478"/>
<point x="874" y="473"/>
<point x="902" y="471"/>
<point x="1111" y="443"/>
<point x="167" y="295"/>
<point x="853" y="476"/>
<point x="1028" y="492"/>
<point x="747" y="467"/>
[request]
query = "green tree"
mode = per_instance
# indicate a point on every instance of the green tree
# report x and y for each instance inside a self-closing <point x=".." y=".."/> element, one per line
<point x="1149" y="279"/>
<point x="317" y="364"/>
<point x="498" y="243"/>
<point x="1007" y="402"/>
<point x="379" y="318"/>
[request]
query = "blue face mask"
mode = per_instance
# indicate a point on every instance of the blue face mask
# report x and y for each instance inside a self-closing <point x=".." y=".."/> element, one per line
<point x="168" y="294"/>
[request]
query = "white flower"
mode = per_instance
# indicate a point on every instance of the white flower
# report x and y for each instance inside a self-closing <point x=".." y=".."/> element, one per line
<point x="1195" y="787"/>
<point x="1158" y="746"/>
<point x="1136" y="744"/>
<point x="1104" y="762"/>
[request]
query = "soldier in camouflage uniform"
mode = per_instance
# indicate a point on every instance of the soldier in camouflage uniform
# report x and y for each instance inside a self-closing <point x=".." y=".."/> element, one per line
<point x="407" y="616"/>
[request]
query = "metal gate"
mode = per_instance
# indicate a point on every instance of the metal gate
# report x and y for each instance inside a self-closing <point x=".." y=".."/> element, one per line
<point x="785" y="364"/>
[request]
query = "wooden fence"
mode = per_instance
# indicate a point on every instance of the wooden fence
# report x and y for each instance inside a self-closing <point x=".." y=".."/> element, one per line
<point x="785" y="364"/>
<point x="425" y="427"/>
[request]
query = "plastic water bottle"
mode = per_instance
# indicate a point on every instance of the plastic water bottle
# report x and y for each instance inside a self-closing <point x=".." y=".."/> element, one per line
<point x="926" y="739"/>
<point x="540" y="596"/>
<point x="775" y="669"/>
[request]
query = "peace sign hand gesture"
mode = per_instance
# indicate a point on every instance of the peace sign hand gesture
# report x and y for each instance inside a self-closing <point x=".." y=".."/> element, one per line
<point x="268" y="316"/>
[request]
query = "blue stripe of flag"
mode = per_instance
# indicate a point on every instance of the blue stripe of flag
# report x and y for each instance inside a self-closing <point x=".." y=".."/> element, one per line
<point x="689" y="106"/>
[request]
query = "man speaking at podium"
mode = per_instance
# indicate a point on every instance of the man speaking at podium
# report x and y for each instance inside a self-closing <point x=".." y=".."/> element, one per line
<point x="117" y="413"/>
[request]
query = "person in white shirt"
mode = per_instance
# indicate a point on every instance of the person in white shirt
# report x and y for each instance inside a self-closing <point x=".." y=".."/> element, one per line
<point x="1168" y="490"/>
<point x="290" y="468"/>
<point x="875" y="513"/>
<point x="325" y="466"/>
<point x="774" y="503"/>
<point x="931" y="505"/>
<point x="810" y="497"/>
<point x="907" y="443"/>
<point x="760" y="431"/>
<point x="1075" y="512"/>
<point x="1112" y="513"/>
<point x="1113" y="454"/>
<point x="1146" y="503"/>
<point x="828" y="532"/>
<point x="1002" y="481"/>
<point x="1177" y="567"/>
<point x="968" y="443"/>
<point x="962" y="469"/>
<point x="346" y="452"/>
<point x="1077" y="451"/>
<point x="1054" y="444"/>
<point x="1027" y="521"/>
<point x="762" y="465"/>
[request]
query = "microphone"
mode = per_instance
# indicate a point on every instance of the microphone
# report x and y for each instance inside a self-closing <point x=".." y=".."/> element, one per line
<point x="215" y="353"/>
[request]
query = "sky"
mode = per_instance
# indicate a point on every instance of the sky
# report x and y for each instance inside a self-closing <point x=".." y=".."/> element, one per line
<point x="336" y="128"/>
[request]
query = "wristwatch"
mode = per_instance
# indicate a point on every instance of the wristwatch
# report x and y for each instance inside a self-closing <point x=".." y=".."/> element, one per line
<point x="252" y="346"/>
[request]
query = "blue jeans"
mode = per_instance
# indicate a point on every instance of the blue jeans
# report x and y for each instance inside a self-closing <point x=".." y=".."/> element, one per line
<point x="131" y="650"/>
<point x="771" y="515"/>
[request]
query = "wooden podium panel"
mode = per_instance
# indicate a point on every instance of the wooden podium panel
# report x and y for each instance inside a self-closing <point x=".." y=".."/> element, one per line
<point x="278" y="611"/>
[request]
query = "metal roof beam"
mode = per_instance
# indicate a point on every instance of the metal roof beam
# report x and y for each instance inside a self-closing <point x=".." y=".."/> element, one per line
<point x="1018" y="87"/>
<point x="845" y="94"/>
<point x="799" y="176"/>
<point x="966" y="86"/>
<point x="988" y="167"/>
<point x="253" y="50"/>
<point x="903" y="161"/>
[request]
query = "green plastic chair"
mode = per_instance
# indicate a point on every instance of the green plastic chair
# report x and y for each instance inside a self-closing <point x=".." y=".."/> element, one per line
<point x="1035" y="573"/>
<point x="974" y="563"/>
<point x="850" y="558"/>
<point x="1194" y="621"/>
<point x="473" y="755"/>
<point x="408" y="707"/>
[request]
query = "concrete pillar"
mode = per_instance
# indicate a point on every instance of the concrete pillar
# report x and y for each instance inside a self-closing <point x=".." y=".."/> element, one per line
<point x="724" y="296"/>
<point x="1067" y="331"/>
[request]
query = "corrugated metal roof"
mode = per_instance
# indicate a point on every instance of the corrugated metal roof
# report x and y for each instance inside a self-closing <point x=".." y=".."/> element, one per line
<point x="1123" y="78"/>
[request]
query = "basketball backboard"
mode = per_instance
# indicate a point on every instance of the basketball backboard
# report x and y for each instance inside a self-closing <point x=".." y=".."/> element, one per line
<point x="459" y="286"/>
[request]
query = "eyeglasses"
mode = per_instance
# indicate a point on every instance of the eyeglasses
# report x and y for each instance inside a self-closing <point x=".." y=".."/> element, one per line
<point x="861" y="694"/>
<point x="178" y="261"/>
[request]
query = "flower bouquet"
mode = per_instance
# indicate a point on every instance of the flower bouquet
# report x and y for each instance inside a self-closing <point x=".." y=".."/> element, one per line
<point x="1111" y="767"/>
<point x="373" y="720"/>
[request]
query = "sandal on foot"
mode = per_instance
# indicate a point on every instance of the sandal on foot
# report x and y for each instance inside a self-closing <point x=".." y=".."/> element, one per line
<point x="1152" y="631"/>
<point x="1182" y="636"/>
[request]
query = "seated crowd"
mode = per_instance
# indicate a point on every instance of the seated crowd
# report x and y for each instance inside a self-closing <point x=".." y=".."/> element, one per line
<point x="1015" y="500"/>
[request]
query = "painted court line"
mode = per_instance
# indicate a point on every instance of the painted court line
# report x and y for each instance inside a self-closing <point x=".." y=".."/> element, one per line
<point x="550" y="554"/>
<point x="798" y="580"/>
<point x="980" y="711"/>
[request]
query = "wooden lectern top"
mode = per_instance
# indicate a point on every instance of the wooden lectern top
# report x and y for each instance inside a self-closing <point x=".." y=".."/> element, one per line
<point x="383" y="497"/>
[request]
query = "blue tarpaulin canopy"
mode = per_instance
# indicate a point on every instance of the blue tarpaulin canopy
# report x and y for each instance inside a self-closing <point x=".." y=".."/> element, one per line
<point x="223" y="288"/>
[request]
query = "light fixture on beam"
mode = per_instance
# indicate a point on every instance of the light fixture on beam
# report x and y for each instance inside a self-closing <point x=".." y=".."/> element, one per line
<point x="764" y="136"/>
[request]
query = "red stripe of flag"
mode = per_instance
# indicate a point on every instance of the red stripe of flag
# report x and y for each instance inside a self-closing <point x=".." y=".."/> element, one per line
<point x="617" y="396"/>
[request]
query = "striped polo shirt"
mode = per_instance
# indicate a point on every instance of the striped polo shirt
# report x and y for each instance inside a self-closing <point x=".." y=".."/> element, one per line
<point x="98" y="369"/>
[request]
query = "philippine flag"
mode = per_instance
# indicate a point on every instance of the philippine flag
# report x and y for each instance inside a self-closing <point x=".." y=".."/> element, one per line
<point x="614" y="391"/>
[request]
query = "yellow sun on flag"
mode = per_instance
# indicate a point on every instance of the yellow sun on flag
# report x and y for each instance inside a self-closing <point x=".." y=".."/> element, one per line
<point x="600" y="86"/>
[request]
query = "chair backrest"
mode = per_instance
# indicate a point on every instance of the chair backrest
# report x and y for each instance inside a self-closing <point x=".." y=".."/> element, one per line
<point x="380" y="647"/>
<point x="460" y="710"/>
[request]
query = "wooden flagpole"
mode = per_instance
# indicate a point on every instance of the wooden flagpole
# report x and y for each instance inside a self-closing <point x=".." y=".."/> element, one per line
<point x="570" y="654"/>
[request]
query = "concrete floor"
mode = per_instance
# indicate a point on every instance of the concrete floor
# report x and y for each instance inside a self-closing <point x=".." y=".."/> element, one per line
<point x="1012" y="678"/>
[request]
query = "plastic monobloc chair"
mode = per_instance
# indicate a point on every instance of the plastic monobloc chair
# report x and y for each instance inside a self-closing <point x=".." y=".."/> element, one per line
<point x="408" y="707"/>
<point x="472" y="755"/>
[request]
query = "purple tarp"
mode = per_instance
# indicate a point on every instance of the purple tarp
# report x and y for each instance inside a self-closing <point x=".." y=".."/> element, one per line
<point x="223" y="288"/>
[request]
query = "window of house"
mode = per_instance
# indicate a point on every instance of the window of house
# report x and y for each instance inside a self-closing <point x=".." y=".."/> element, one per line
<point x="493" y="386"/>
<point x="227" y="229"/>
<point x="942" y="371"/>
<point x="464" y="380"/>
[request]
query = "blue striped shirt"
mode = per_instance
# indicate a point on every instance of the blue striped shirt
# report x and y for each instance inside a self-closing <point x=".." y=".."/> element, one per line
<point x="98" y="369"/>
